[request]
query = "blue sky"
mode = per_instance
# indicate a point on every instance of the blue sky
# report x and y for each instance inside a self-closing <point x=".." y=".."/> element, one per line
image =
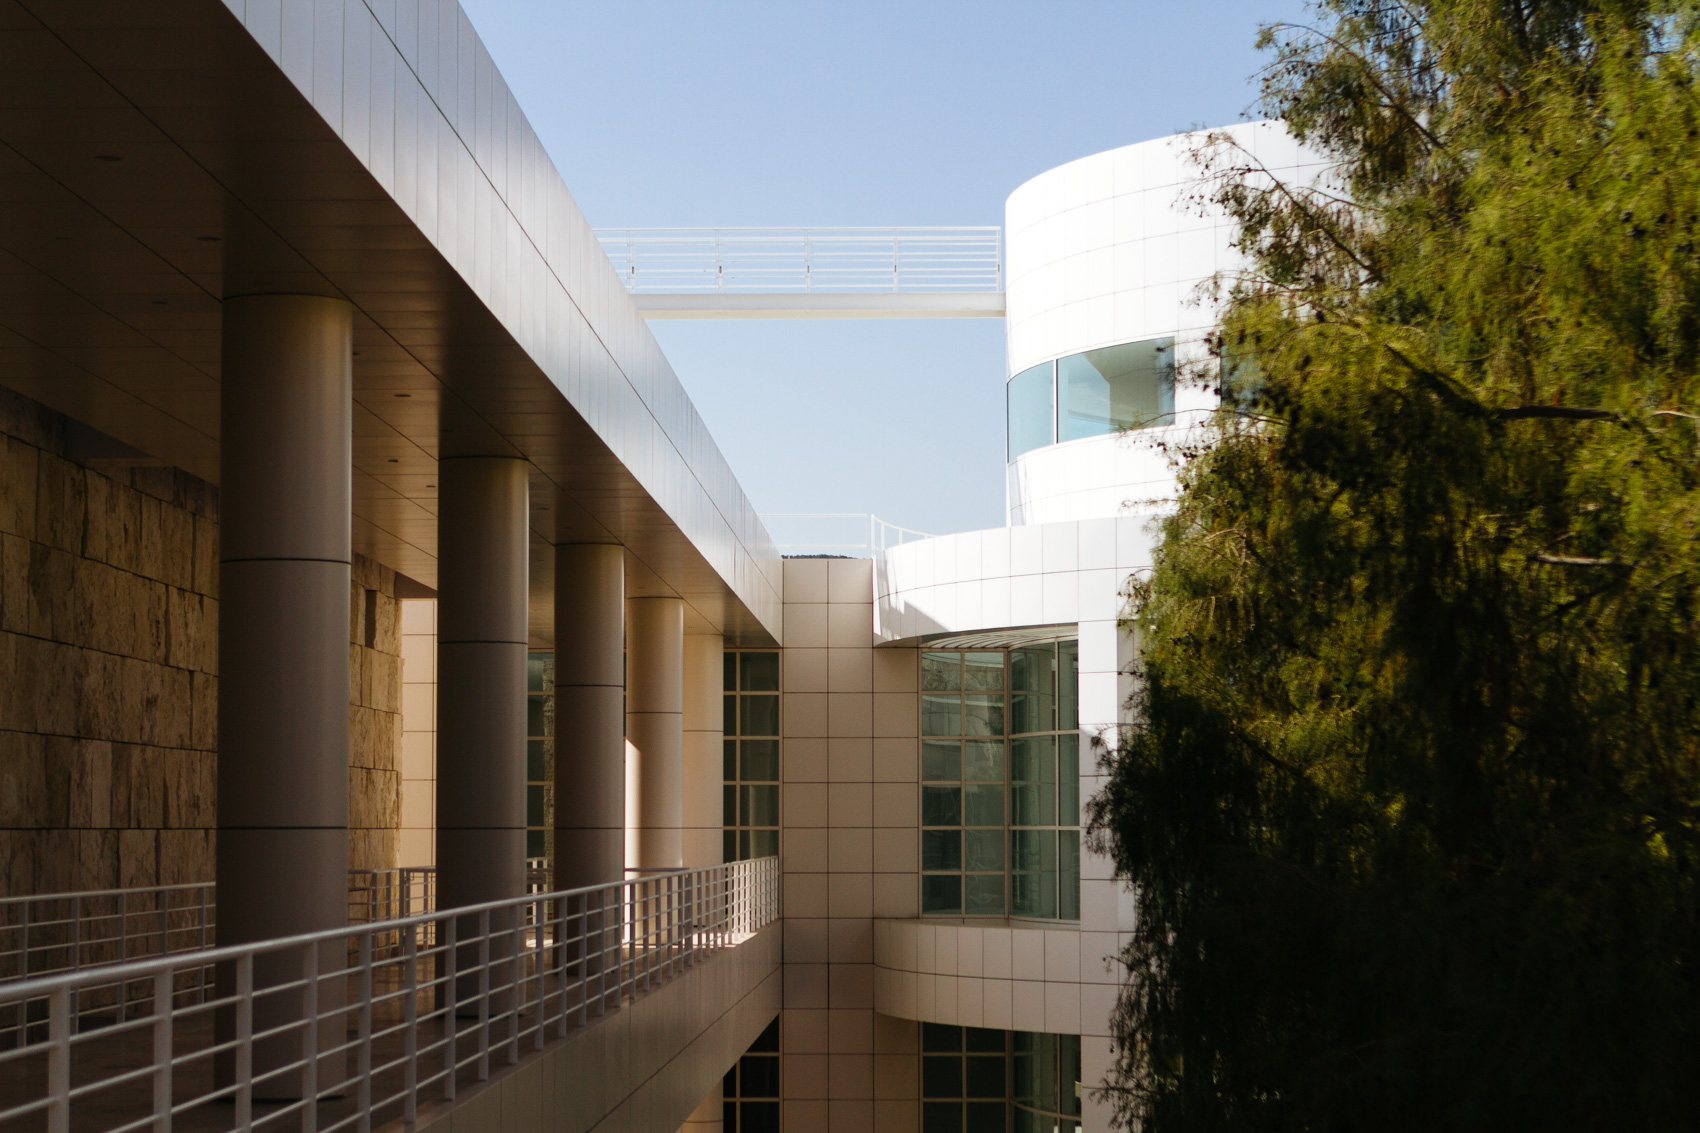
<point x="662" y="112"/>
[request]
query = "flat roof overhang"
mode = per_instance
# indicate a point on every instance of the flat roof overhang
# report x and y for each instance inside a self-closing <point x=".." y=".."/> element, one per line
<point x="156" y="158"/>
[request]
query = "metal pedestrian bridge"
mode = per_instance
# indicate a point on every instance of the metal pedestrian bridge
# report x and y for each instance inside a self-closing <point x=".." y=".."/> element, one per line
<point x="810" y="273"/>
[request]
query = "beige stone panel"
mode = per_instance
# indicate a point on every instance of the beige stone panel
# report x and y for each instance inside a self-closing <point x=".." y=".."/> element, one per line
<point x="852" y="942"/>
<point x="18" y="462"/>
<point x="177" y="546"/>
<point x="186" y="856"/>
<point x="851" y="986"/>
<point x="203" y="710"/>
<point x="61" y="495"/>
<point x="151" y="548"/>
<point x="897" y="670"/>
<point x="897" y="760"/>
<point x="138" y="858"/>
<point x="26" y="799"/>
<point x="205" y="575"/>
<point x="804" y="1032"/>
<point x="850" y="760"/>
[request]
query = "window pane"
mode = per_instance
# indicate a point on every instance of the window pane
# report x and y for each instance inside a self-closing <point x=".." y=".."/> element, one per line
<point x="761" y="760"/>
<point x="758" y="1076"/>
<point x="983" y="895"/>
<point x="1031" y="421"/>
<point x="980" y="1040"/>
<point x="729" y="759"/>
<point x="729" y="805"/>
<point x="985" y="760"/>
<point x="941" y="893"/>
<point x="941" y="1117"/>
<point x="535" y="664"/>
<point x="984" y="854"/>
<point x="1068" y="685"/>
<point x="982" y="805"/>
<point x="941" y="760"/>
<point x="941" y="806"/>
<point x="534" y="805"/>
<point x="982" y="672"/>
<point x="982" y="714"/>
<point x="1033" y="873"/>
<point x="1068" y="875"/>
<point x="539" y="715"/>
<point x="759" y="1117"/>
<point x="764" y="843"/>
<point x="761" y="806"/>
<point x="537" y="760"/>
<point x="729" y="844"/>
<point x="941" y="715"/>
<point x="1032" y="781"/>
<point x="1068" y="1071"/>
<point x="940" y="1037"/>
<point x="760" y="716"/>
<point x="988" y="1115"/>
<point x="984" y="1077"/>
<point x="941" y="849"/>
<point x="535" y="845"/>
<point x="729" y="715"/>
<point x="760" y="672"/>
<point x="941" y="672"/>
<point x="1068" y="781"/>
<point x="941" y="1075"/>
<point x="1118" y="387"/>
<point x="730" y="674"/>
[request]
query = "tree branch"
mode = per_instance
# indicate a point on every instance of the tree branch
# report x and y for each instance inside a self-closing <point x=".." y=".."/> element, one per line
<point x="1554" y="412"/>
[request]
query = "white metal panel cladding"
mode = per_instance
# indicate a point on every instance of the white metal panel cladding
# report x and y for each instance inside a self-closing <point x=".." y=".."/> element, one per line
<point x="388" y="1015"/>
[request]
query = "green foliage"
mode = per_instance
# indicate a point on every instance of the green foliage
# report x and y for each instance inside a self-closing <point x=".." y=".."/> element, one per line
<point x="1410" y="799"/>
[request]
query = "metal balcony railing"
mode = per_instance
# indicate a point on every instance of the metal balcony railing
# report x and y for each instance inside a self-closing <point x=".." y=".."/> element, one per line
<point x="674" y="261"/>
<point x="353" y="1027"/>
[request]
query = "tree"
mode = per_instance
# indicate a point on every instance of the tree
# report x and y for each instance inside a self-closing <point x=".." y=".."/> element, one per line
<point x="1409" y="800"/>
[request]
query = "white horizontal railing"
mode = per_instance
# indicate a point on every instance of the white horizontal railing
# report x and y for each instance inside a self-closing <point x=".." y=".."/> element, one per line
<point x="679" y="261"/>
<point x="849" y="533"/>
<point x="47" y="933"/>
<point x="353" y="1027"/>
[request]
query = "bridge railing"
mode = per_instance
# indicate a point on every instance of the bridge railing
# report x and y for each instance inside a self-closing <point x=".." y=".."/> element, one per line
<point x="357" y="1026"/>
<point x="806" y="260"/>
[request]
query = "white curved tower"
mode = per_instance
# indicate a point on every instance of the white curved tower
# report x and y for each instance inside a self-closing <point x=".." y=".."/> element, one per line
<point x="1106" y="258"/>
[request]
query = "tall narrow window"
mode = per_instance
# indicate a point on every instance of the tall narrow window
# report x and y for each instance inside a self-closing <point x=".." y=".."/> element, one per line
<point x="751" y="1087"/>
<point x="539" y="755"/>
<point x="750" y="801"/>
<point x="1000" y="810"/>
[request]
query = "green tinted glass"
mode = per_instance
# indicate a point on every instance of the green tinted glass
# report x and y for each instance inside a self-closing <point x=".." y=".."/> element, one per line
<point x="982" y="895"/>
<point x="984" y="760"/>
<point x="759" y="672"/>
<point x="941" y="715"/>
<point x="761" y="760"/>
<point x="941" y="760"/>
<point x="941" y="806"/>
<point x="982" y="714"/>
<point x="941" y="672"/>
<point x="982" y="804"/>
<point x="982" y="672"/>
<point x="941" y="849"/>
<point x="941" y="893"/>
<point x="983" y="853"/>
<point x="761" y="805"/>
<point x="759" y="716"/>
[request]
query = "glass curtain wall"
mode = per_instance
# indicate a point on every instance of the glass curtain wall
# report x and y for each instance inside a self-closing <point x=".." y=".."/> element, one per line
<point x="975" y="1080"/>
<point x="1000" y="782"/>
<point x="540" y="755"/>
<point x="1095" y="393"/>
<point x="750" y="800"/>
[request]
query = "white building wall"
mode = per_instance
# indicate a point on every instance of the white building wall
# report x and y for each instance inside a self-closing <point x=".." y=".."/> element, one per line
<point x="1109" y="249"/>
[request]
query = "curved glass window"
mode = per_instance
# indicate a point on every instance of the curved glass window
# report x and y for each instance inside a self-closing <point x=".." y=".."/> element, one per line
<point x="1119" y="387"/>
<point x="1032" y="417"/>
<point x="1131" y="386"/>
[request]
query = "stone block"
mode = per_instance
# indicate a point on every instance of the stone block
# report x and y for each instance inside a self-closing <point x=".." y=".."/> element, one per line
<point x="138" y="858"/>
<point x="177" y="537"/>
<point x="17" y="487"/>
<point x="61" y="495"/>
<point x="89" y="785"/>
<point x="205" y="557"/>
<point x="203" y="712"/>
<point x="26" y="799"/>
<point x="41" y="686"/>
<point x="186" y="856"/>
<point x="150" y="544"/>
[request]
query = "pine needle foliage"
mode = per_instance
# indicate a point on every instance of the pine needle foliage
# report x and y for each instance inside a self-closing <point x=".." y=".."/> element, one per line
<point x="1410" y="797"/>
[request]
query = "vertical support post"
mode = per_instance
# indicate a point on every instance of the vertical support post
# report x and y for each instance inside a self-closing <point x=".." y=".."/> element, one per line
<point x="244" y="1041"/>
<point x="363" y="1095"/>
<point x="483" y="532"/>
<point x="655" y="633"/>
<point x="590" y="692"/>
<point x="410" y="1024"/>
<point x="162" y="1051"/>
<point x="58" y="1057"/>
<point x="448" y="928"/>
<point x="286" y="453"/>
<point x="310" y="1038"/>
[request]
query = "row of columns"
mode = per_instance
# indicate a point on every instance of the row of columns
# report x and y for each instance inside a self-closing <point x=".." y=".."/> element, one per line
<point x="622" y="666"/>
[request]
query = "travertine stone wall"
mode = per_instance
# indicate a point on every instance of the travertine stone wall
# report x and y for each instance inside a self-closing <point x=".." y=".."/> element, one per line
<point x="108" y="669"/>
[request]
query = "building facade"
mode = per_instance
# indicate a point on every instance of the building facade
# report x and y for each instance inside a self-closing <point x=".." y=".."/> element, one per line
<point x="355" y="532"/>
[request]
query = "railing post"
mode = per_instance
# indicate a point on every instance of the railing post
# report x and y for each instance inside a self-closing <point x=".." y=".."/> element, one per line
<point x="244" y="1040"/>
<point x="449" y="976"/>
<point x="58" y="1057"/>
<point x="162" y="1051"/>
<point x="364" y="1095"/>
<point x="516" y="968"/>
<point x="310" y="1038"/>
<point x="484" y="995"/>
<point x="410" y="1024"/>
